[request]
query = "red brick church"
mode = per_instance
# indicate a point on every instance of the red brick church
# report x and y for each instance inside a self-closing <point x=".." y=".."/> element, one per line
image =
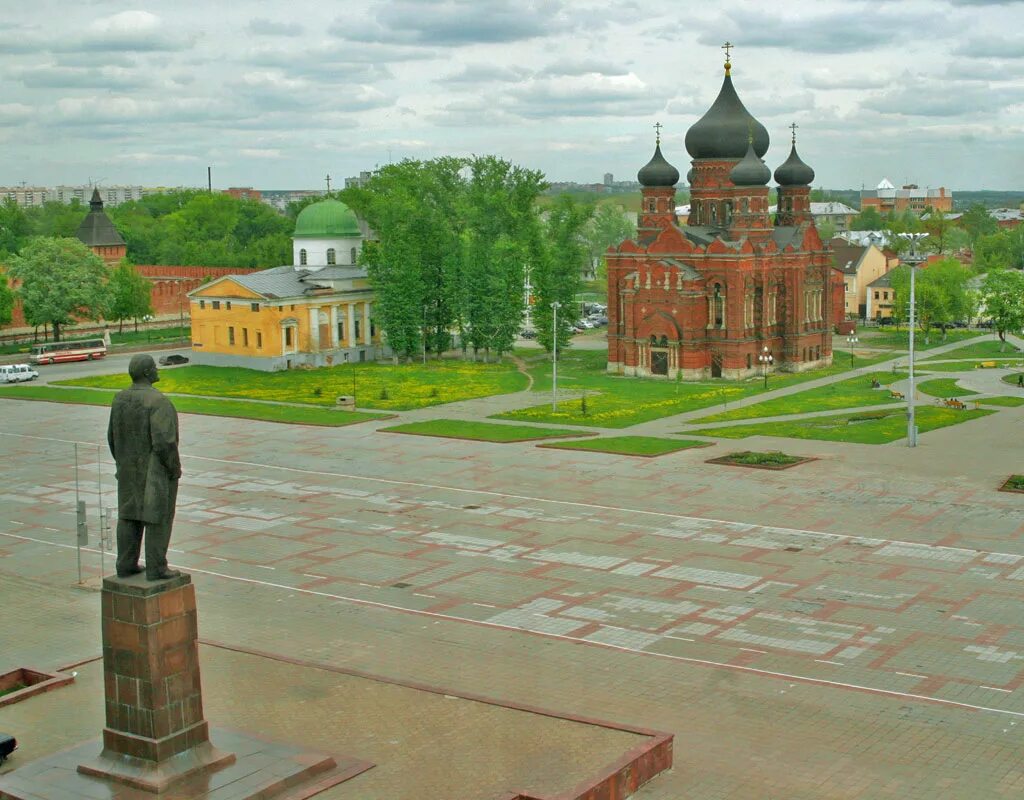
<point x="703" y="297"/>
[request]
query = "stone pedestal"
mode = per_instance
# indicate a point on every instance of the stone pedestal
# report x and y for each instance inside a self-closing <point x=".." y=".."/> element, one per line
<point x="155" y="733"/>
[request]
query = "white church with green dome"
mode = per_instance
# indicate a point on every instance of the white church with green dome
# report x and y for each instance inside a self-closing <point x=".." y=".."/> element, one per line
<point x="317" y="311"/>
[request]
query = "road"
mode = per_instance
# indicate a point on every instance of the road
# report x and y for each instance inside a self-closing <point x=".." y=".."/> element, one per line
<point x="117" y="362"/>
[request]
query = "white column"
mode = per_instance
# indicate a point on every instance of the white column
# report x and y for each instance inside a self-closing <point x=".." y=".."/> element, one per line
<point x="367" y="339"/>
<point x="314" y="329"/>
<point x="334" y="327"/>
<point x="350" y="325"/>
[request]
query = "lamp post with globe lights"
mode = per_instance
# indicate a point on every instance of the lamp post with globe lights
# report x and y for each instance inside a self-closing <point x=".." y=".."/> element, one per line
<point x="554" y="354"/>
<point x="851" y="340"/>
<point x="766" y="359"/>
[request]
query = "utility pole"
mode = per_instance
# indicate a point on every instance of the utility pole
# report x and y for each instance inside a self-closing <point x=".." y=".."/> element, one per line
<point x="554" y="354"/>
<point x="209" y="179"/>
<point x="912" y="261"/>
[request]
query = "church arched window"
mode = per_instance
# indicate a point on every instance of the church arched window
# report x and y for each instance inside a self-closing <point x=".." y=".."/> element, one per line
<point x="353" y="255"/>
<point x="744" y="205"/>
<point x="664" y="341"/>
<point x="728" y="211"/>
<point x="302" y="257"/>
<point x="719" y="306"/>
<point x="695" y="213"/>
<point x="714" y="214"/>
<point x="332" y="257"/>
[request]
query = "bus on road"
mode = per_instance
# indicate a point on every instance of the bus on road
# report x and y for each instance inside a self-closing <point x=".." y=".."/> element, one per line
<point x="81" y="350"/>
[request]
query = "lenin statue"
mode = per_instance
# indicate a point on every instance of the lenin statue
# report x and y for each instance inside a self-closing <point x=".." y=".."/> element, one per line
<point x="143" y="439"/>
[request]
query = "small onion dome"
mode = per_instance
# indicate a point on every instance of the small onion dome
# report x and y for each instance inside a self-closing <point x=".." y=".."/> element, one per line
<point x="794" y="172"/>
<point x="723" y="131"/>
<point x="751" y="171"/>
<point x="689" y="176"/>
<point x="657" y="171"/>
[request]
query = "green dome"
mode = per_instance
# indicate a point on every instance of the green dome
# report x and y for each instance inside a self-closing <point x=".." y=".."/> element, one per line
<point x="327" y="219"/>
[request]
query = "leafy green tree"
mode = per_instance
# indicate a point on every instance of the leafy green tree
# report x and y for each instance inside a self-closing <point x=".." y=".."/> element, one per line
<point x="557" y="276"/>
<point x="867" y="220"/>
<point x="129" y="294"/>
<point x="1002" y="292"/>
<point x="938" y="227"/>
<point x="609" y="226"/>
<point x="941" y="295"/>
<point x="826" y="229"/>
<point x="1004" y="248"/>
<point x="61" y="280"/>
<point x="56" y="219"/>
<point x="14" y="227"/>
<point x="6" y="299"/>
<point x="978" y="222"/>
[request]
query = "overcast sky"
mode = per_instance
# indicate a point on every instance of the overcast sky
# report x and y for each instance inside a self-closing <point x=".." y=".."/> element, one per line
<point x="277" y="94"/>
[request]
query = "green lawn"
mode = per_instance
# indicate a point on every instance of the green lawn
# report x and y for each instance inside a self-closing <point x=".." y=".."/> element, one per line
<point x="1012" y="378"/>
<point x="942" y="387"/>
<point x="480" y="431"/>
<point x="963" y="366"/>
<point x="614" y="401"/>
<point x="1002" y="401"/>
<point x="850" y="393"/>
<point x="986" y="349"/>
<point x="376" y="385"/>
<point x="628" y="445"/>
<point x="868" y="427"/>
<point x="900" y="340"/>
<point x="199" y="405"/>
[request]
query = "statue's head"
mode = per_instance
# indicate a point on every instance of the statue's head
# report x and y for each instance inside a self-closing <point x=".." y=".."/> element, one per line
<point x="142" y="368"/>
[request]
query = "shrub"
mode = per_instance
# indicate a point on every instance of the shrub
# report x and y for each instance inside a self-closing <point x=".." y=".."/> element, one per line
<point x="774" y="457"/>
<point x="384" y="393"/>
<point x="318" y="391"/>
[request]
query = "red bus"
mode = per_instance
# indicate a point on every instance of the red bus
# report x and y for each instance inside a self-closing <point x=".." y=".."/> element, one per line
<point x="81" y="350"/>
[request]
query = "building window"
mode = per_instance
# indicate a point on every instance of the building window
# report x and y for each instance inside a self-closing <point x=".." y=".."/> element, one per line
<point x="885" y="295"/>
<point x="728" y="211"/>
<point x="259" y="340"/>
<point x="254" y="306"/>
<point x="696" y="213"/>
<point x="719" y="305"/>
<point x="216" y="305"/>
<point x="227" y="305"/>
<point x="356" y="321"/>
<point x="302" y="257"/>
<point x="876" y="294"/>
<point x="332" y="258"/>
<point x="202" y="304"/>
<point x="287" y="337"/>
<point x="353" y="253"/>
<point x="245" y="337"/>
<point x="714" y="213"/>
<point x="231" y="335"/>
<point x="750" y="361"/>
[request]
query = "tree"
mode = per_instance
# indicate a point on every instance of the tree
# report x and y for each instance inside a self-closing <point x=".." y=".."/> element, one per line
<point x="609" y="226"/>
<point x="6" y="300"/>
<point x="940" y="295"/>
<point x="129" y="294"/>
<point x="14" y="227"/>
<point x="978" y="222"/>
<point x="1004" y="248"/>
<point x="826" y="229"/>
<point x="557" y="277"/>
<point x="61" y="280"/>
<point x="938" y="227"/>
<point x="1002" y="292"/>
<point x="867" y="220"/>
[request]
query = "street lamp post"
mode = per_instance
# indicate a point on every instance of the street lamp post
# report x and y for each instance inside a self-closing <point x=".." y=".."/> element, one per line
<point x="766" y="359"/>
<point x="851" y="340"/>
<point x="912" y="261"/>
<point x="424" y="336"/>
<point x="145" y="321"/>
<point x="554" y="354"/>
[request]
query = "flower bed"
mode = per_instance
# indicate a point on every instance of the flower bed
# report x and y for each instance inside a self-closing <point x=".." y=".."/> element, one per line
<point x="22" y="683"/>
<point x="773" y="459"/>
<point x="1015" y="483"/>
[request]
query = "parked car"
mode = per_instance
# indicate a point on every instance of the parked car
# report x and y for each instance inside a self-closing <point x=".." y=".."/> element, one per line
<point x="17" y="373"/>
<point x="528" y="334"/>
<point x="173" y="359"/>
<point x="8" y="744"/>
<point x="885" y="321"/>
<point x="585" y="324"/>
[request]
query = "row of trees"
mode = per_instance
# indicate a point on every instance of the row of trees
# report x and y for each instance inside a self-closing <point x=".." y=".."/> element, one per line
<point x="183" y="227"/>
<point x="457" y="241"/>
<point x="60" y="281"/>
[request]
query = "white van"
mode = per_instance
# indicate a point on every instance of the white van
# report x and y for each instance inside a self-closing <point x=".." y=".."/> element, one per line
<point x="16" y="373"/>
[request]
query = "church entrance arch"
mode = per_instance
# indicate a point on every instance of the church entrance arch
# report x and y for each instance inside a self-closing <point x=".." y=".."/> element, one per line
<point x="716" y="365"/>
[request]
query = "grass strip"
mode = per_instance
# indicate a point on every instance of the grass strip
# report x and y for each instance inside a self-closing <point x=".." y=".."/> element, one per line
<point x="850" y="393"/>
<point x="965" y="366"/>
<point x="241" y="409"/>
<point x="942" y="387"/>
<point x="862" y="428"/>
<point x="1002" y="401"/>
<point x="984" y="349"/>
<point x="1015" y="483"/>
<point x="1013" y="378"/>
<point x="648" y="446"/>
<point x="481" y="431"/>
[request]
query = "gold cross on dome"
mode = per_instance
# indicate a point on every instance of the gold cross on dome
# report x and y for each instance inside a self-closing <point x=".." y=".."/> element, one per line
<point x="793" y="126"/>
<point x="657" y="132"/>
<point x="727" y="47"/>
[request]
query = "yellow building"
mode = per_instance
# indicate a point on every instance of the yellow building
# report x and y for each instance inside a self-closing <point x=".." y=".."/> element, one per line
<point x="860" y="265"/>
<point x="306" y="314"/>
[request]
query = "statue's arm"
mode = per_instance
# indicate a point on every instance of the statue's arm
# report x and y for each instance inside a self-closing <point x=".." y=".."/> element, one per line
<point x="163" y="431"/>
<point x="110" y="432"/>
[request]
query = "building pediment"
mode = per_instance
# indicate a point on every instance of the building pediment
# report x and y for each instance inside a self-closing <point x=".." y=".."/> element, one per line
<point x="226" y="287"/>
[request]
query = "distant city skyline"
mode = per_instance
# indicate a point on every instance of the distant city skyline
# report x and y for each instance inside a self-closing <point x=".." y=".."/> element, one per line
<point x="925" y="91"/>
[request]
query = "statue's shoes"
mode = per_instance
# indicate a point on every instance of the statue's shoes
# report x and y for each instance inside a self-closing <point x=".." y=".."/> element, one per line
<point x="127" y="573"/>
<point x="162" y="575"/>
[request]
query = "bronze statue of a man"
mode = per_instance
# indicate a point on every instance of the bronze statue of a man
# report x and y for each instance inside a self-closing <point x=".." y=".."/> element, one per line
<point x="143" y="439"/>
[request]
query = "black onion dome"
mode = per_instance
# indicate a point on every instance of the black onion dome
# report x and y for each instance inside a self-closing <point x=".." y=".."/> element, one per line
<point x="751" y="171"/>
<point x="794" y="172"/>
<point x="657" y="171"/>
<point x="689" y="176"/>
<point x="723" y="131"/>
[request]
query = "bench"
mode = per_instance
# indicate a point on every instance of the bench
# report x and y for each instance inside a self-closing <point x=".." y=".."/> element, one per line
<point x="988" y="364"/>
<point x="896" y="395"/>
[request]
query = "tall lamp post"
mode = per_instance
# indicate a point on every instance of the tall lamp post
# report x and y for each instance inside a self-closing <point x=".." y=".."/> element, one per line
<point x="766" y="359"/>
<point x="554" y="354"/>
<point x="912" y="261"/>
<point x="851" y="340"/>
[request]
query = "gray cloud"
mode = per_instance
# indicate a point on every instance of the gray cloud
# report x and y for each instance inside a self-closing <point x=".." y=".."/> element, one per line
<point x="269" y="27"/>
<point x="136" y="31"/>
<point x="992" y="47"/>
<point x="927" y="99"/>
<point x="585" y="66"/>
<point x="585" y="96"/>
<point x="59" y="77"/>
<point x="456" y="22"/>
<point x="486" y="73"/>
